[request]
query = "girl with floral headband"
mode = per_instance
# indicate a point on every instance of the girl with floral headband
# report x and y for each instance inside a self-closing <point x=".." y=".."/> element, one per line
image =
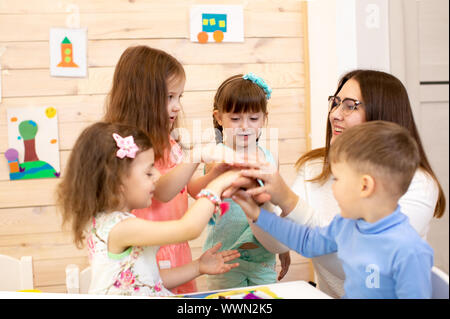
<point x="109" y="173"/>
<point x="240" y="112"/>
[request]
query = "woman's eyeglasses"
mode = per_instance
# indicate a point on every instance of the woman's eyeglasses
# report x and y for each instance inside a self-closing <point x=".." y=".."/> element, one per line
<point x="348" y="105"/>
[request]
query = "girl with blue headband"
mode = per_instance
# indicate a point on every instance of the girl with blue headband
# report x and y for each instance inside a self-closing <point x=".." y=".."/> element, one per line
<point x="240" y="112"/>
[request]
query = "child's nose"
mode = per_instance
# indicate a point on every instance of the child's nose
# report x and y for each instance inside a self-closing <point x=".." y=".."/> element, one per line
<point x="176" y="107"/>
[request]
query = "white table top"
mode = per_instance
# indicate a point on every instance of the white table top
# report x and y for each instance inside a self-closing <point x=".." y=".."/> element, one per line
<point x="286" y="290"/>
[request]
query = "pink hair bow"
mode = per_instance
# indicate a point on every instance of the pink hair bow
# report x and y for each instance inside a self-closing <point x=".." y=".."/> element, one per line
<point x="126" y="146"/>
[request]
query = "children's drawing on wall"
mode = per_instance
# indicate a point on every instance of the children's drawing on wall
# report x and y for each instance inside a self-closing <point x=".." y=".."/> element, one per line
<point x="68" y="52"/>
<point x="33" y="143"/>
<point x="0" y="84"/>
<point x="2" y="50"/>
<point x="217" y="23"/>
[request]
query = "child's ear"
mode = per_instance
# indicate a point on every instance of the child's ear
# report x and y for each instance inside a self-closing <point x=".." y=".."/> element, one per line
<point x="218" y="116"/>
<point x="367" y="186"/>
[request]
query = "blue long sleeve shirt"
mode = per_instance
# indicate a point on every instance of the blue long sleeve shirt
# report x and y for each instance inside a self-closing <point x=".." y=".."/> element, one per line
<point x="386" y="259"/>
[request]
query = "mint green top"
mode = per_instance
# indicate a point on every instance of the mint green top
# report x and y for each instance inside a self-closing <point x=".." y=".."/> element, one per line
<point x="233" y="230"/>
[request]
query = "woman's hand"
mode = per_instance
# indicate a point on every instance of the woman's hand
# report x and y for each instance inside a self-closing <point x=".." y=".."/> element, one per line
<point x="285" y="261"/>
<point x="273" y="182"/>
<point x="213" y="262"/>
<point x="246" y="183"/>
<point x="274" y="185"/>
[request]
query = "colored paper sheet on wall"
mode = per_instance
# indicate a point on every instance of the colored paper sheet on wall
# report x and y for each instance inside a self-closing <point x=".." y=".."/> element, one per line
<point x="68" y="52"/>
<point x="217" y="23"/>
<point x="33" y="143"/>
<point x="2" y="50"/>
<point x="0" y="84"/>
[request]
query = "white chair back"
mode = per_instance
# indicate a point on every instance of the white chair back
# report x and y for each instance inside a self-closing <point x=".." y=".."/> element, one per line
<point x="16" y="274"/>
<point x="76" y="282"/>
<point x="439" y="282"/>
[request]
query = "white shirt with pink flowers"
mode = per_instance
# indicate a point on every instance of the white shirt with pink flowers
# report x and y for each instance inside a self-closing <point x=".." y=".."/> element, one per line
<point x="133" y="272"/>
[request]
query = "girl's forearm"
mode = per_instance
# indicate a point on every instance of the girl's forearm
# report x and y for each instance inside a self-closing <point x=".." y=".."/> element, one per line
<point x="195" y="186"/>
<point x="141" y="232"/>
<point x="198" y="215"/>
<point x="196" y="218"/>
<point x="170" y="184"/>
<point x="174" y="277"/>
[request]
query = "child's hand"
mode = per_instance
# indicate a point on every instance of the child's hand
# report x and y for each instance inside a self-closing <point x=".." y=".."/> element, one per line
<point x="248" y="205"/>
<point x="220" y="168"/>
<point x="222" y="182"/>
<point x="285" y="261"/>
<point x="213" y="262"/>
<point x="213" y="153"/>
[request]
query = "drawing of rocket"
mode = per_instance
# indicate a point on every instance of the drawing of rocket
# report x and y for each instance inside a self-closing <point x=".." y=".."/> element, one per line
<point x="67" y="55"/>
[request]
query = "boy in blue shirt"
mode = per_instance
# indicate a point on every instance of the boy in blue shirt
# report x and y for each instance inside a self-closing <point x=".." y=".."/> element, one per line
<point x="381" y="254"/>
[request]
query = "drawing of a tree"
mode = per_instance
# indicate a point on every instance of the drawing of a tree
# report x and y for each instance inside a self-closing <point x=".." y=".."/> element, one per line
<point x="28" y="131"/>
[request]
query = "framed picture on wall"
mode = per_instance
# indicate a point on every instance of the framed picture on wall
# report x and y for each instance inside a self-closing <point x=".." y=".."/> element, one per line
<point x="68" y="52"/>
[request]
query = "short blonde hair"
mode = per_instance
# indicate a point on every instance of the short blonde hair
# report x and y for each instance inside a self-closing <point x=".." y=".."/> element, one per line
<point x="381" y="149"/>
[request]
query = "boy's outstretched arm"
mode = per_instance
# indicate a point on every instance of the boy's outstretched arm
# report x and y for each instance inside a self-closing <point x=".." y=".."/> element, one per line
<point x="309" y="242"/>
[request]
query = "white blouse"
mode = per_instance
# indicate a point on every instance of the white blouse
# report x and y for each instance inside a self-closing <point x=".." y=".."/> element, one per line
<point x="317" y="207"/>
<point x="133" y="272"/>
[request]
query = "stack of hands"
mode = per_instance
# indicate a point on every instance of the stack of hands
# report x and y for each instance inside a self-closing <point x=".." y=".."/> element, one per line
<point x="257" y="182"/>
<point x="247" y="188"/>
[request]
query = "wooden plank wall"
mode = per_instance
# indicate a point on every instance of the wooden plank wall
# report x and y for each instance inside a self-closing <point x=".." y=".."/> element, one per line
<point x="273" y="48"/>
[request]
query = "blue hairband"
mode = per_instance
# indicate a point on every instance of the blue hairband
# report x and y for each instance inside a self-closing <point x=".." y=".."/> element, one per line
<point x="260" y="82"/>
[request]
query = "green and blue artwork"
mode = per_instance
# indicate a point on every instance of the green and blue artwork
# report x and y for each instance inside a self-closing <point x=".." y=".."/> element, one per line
<point x="33" y="143"/>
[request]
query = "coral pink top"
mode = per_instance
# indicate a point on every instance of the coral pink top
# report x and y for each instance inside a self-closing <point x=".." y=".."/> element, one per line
<point x="172" y="255"/>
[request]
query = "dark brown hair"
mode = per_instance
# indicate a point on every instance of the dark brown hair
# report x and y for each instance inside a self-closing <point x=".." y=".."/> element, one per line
<point x="237" y="95"/>
<point x="384" y="150"/>
<point x="92" y="178"/>
<point x="384" y="98"/>
<point x="139" y="93"/>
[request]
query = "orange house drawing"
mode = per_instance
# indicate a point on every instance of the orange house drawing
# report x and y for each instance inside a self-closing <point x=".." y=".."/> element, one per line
<point x="67" y="55"/>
